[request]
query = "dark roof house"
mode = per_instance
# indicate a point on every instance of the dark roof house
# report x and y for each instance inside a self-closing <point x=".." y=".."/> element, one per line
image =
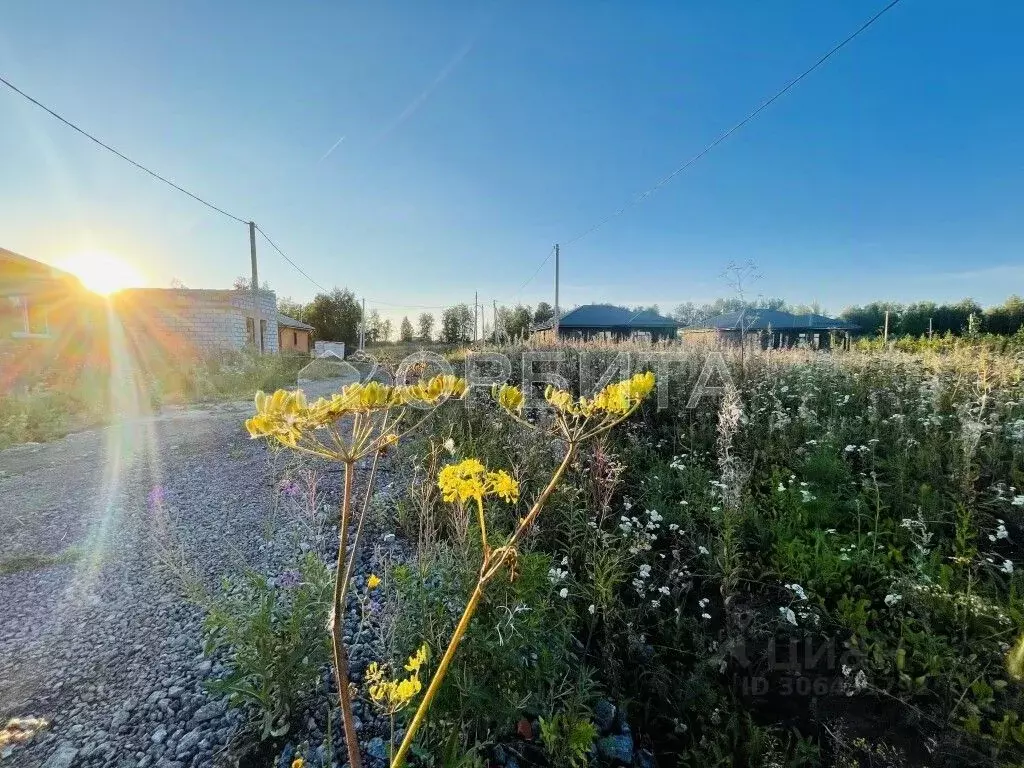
<point x="606" y="321"/>
<point x="291" y="322"/>
<point x="773" y="327"/>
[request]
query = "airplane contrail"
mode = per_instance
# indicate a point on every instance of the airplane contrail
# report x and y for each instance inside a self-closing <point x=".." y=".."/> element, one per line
<point x="334" y="146"/>
<point x="416" y="103"/>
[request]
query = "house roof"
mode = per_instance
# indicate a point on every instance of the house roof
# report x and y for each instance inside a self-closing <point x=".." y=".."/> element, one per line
<point x="609" y="316"/>
<point x="291" y="322"/>
<point x="776" y="319"/>
<point x="37" y="267"/>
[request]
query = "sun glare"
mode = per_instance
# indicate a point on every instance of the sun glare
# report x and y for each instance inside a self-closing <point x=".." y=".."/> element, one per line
<point x="101" y="272"/>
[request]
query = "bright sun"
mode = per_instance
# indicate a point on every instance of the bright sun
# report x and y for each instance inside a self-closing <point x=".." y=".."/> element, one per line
<point x="102" y="272"/>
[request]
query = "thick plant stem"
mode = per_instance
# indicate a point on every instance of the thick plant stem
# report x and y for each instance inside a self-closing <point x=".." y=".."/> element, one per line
<point x="492" y="565"/>
<point x="438" y="678"/>
<point x="337" y="617"/>
<point x="354" y="549"/>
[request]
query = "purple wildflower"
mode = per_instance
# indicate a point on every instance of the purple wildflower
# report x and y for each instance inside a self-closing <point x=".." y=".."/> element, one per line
<point x="290" y="488"/>
<point x="289" y="579"/>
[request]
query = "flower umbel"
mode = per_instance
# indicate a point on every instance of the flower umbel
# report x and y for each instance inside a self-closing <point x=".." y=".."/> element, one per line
<point x="469" y="479"/>
<point x="392" y="696"/>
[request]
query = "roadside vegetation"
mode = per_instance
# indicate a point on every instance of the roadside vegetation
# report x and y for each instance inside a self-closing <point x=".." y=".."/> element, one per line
<point x="57" y="401"/>
<point x="818" y="564"/>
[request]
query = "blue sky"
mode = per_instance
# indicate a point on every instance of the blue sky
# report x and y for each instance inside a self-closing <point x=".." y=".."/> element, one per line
<point x="476" y="134"/>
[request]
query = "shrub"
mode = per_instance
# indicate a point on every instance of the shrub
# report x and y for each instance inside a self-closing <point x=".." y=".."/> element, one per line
<point x="270" y="634"/>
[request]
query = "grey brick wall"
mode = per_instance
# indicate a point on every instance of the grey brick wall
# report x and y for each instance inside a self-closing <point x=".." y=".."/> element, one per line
<point x="204" y="320"/>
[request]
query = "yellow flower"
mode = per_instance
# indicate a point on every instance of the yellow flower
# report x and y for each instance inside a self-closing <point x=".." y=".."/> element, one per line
<point x="281" y="416"/>
<point x="298" y="762"/>
<point x="434" y="391"/>
<point x="616" y="399"/>
<point x="561" y="400"/>
<point x="503" y="485"/>
<point x="510" y="398"/>
<point x="373" y="582"/>
<point x="391" y="696"/>
<point x="469" y="479"/>
<point x="463" y="481"/>
<point x="418" y="659"/>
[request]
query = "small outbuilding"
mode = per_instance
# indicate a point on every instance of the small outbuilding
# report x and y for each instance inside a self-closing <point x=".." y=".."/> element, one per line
<point x="294" y="335"/>
<point x="606" y="322"/>
<point x="772" y="329"/>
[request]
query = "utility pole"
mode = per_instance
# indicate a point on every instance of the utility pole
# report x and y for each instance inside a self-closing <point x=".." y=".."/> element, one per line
<point x="495" y="320"/>
<point x="362" y="327"/>
<point x="555" y="325"/>
<point x="257" y="323"/>
<point x="885" y="333"/>
<point x="476" y="316"/>
<point x="929" y="329"/>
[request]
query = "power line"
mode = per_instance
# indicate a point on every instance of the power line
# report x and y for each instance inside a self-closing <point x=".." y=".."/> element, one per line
<point x="123" y="156"/>
<point x="285" y="257"/>
<point x="156" y="175"/>
<point x="535" y="272"/>
<point x="640" y="198"/>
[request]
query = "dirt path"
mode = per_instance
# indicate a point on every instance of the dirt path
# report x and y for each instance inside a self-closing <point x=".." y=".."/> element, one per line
<point x="101" y="642"/>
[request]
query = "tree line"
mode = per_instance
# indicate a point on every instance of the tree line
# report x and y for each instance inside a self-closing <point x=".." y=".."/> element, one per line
<point x="336" y="316"/>
<point x="959" y="318"/>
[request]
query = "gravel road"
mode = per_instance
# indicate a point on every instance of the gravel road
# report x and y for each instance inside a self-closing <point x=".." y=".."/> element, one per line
<point x="103" y="645"/>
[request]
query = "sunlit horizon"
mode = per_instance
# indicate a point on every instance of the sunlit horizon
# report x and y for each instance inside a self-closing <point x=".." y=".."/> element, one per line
<point x="102" y="272"/>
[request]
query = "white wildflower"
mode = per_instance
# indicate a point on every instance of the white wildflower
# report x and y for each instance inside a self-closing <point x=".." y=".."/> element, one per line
<point x="860" y="681"/>
<point x="563" y="592"/>
<point x="788" y="615"/>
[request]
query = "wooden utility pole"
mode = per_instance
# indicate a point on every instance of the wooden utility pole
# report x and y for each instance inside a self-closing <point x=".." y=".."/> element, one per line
<point x="555" y="325"/>
<point x="257" y="323"/>
<point x="885" y="332"/>
<point x="929" y="329"/>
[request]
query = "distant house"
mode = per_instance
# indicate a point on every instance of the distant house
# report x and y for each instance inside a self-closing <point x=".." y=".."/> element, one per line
<point x="38" y="301"/>
<point x="772" y="329"/>
<point x="293" y="335"/>
<point x="198" y="321"/>
<point x="51" y="327"/>
<point x="607" y="322"/>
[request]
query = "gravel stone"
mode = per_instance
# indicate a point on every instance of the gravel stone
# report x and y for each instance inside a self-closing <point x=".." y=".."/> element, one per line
<point x="106" y="647"/>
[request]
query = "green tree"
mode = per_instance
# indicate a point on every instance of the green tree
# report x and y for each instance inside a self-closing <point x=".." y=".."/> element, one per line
<point x="374" y="327"/>
<point x="426" y="326"/>
<point x="456" y="324"/>
<point x="1006" y="318"/>
<point x="287" y="306"/>
<point x="334" y="316"/>
<point x="405" y="330"/>
<point x="543" y="313"/>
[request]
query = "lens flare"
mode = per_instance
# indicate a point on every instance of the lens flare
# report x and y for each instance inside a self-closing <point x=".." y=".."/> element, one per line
<point x="102" y="272"/>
